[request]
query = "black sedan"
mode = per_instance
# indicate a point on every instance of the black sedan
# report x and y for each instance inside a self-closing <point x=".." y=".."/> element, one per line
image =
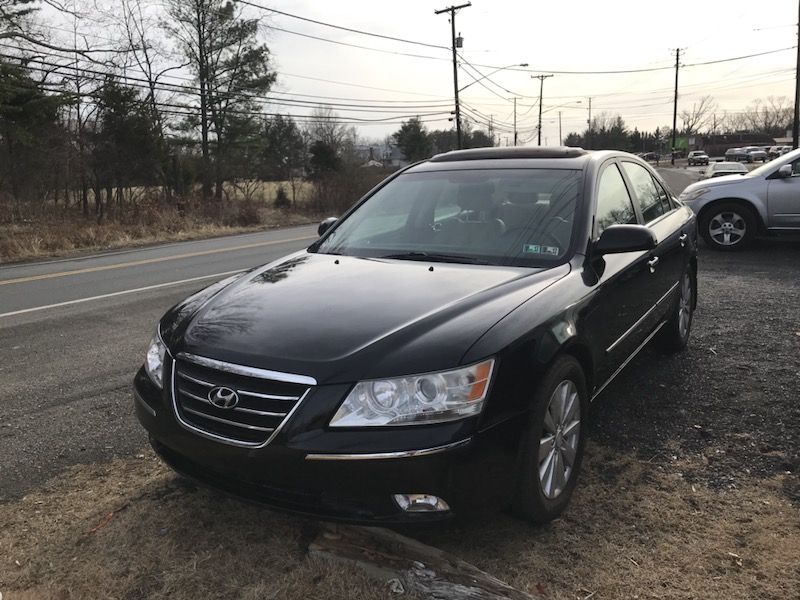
<point x="435" y="351"/>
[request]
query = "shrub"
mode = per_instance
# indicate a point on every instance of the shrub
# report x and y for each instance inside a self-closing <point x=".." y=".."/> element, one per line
<point x="281" y="198"/>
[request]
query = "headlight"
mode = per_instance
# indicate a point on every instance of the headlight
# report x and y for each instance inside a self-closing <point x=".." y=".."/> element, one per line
<point x="693" y="195"/>
<point x="416" y="399"/>
<point x="154" y="362"/>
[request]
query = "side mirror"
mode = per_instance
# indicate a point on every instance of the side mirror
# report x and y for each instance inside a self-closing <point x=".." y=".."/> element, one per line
<point x="625" y="238"/>
<point x="325" y="225"/>
<point x="785" y="171"/>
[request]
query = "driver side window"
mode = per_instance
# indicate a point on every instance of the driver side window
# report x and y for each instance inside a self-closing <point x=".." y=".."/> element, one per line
<point x="614" y="204"/>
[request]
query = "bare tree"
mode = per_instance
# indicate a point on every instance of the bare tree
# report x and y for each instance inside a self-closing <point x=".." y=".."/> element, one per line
<point x="324" y="126"/>
<point x="698" y="116"/>
<point x="771" y="117"/>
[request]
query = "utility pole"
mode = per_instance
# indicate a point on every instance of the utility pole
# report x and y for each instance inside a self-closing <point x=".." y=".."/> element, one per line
<point x="491" y="128"/>
<point x="675" y="104"/>
<point x="541" y="79"/>
<point x="589" y="126"/>
<point x="452" y="10"/>
<point x="560" y="143"/>
<point x="796" y="122"/>
<point x="515" y="121"/>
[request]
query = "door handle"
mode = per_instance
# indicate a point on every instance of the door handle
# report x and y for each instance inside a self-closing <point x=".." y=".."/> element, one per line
<point x="683" y="238"/>
<point x="652" y="264"/>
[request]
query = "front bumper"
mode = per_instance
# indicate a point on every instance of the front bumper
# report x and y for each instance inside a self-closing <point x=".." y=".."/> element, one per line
<point x="343" y="475"/>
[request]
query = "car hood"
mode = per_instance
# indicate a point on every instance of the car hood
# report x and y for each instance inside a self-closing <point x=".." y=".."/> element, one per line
<point x="717" y="182"/>
<point x="339" y="318"/>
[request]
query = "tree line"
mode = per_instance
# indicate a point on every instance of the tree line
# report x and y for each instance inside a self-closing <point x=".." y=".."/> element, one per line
<point x="703" y="121"/>
<point x="106" y="124"/>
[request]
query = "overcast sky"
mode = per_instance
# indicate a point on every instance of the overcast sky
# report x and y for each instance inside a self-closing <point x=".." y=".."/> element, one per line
<point x="572" y="35"/>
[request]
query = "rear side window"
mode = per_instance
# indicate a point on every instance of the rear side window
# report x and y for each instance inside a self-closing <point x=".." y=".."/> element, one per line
<point x="613" y="201"/>
<point x="662" y="193"/>
<point x="652" y="204"/>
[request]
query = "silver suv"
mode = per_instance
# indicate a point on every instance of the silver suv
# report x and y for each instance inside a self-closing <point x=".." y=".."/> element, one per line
<point x="733" y="209"/>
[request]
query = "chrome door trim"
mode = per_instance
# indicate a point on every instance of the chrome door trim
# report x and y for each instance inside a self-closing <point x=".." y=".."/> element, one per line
<point x="627" y="360"/>
<point x="227" y="367"/>
<point x="642" y="318"/>
<point x="390" y="455"/>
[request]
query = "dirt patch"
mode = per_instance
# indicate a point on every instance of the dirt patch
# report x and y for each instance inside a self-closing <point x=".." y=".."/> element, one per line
<point x="131" y="529"/>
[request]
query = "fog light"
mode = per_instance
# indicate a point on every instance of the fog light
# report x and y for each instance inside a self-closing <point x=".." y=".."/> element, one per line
<point x="420" y="503"/>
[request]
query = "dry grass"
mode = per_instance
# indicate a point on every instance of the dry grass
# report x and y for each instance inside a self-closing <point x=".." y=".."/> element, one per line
<point x="60" y="234"/>
<point x="635" y="530"/>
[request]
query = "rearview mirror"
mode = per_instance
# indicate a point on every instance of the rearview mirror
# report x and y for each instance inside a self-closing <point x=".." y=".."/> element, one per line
<point x="785" y="171"/>
<point x="625" y="238"/>
<point x="325" y="225"/>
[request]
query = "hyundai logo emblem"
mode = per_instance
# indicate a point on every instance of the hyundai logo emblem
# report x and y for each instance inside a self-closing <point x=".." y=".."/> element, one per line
<point x="223" y="397"/>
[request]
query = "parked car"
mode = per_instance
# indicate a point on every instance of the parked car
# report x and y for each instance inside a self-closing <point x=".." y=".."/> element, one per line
<point x="733" y="210"/>
<point x="436" y="350"/>
<point x="754" y="154"/>
<point x="774" y="151"/>
<point x="650" y="156"/>
<point x="719" y="169"/>
<point x="736" y="154"/>
<point x="698" y="157"/>
<point x="785" y="150"/>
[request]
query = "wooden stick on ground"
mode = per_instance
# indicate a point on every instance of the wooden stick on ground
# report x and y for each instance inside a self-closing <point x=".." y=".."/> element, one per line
<point x="427" y="571"/>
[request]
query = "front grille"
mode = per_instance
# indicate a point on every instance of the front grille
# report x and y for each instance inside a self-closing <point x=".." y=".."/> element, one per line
<point x="265" y="399"/>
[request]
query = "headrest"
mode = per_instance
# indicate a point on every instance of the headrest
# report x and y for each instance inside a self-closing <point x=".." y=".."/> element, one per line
<point x="476" y="196"/>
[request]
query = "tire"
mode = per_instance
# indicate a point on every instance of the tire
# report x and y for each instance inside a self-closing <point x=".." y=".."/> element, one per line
<point x="541" y="498"/>
<point x="728" y="226"/>
<point x="674" y="336"/>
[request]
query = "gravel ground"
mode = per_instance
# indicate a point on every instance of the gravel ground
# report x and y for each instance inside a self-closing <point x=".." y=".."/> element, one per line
<point x="731" y="399"/>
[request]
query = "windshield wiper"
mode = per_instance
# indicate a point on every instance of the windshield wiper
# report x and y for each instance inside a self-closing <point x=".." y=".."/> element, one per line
<point x="434" y="257"/>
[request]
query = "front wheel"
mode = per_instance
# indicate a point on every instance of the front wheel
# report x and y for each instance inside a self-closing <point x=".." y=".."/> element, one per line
<point x="552" y="447"/>
<point x="728" y="226"/>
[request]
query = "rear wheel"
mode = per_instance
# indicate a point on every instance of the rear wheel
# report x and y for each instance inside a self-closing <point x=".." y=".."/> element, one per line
<point x="675" y="334"/>
<point x="552" y="448"/>
<point x="728" y="226"/>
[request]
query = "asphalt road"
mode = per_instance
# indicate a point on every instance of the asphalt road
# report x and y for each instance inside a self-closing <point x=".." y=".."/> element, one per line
<point x="72" y="334"/>
<point x="74" y="331"/>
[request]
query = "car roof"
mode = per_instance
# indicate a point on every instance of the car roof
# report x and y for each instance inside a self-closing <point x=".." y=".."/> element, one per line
<point x="556" y="157"/>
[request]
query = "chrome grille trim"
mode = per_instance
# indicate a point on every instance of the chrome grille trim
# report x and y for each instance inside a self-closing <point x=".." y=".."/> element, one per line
<point x="268" y="396"/>
<point x="252" y="411"/>
<point x="223" y="438"/>
<point x="195" y="380"/>
<point x="260" y="413"/>
<point x="247" y="371"/>
<point x="226" y="422"/>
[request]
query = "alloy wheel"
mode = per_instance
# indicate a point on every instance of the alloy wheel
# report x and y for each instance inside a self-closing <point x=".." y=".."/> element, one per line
<point x="685" y="306"/>
<point x="727" y="228"/>
<point x="558" y="445"/>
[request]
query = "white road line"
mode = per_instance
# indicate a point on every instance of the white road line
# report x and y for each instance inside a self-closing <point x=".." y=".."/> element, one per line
<point x="113" y="294"/>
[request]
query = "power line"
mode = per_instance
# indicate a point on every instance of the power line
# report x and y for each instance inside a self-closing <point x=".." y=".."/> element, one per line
<point x="342" y="28"/>
<point x="359" y="46"/>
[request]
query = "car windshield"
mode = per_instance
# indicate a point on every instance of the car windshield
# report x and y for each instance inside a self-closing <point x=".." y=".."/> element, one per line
<point x="769" y="167"/>
<point x="520" y="217"/>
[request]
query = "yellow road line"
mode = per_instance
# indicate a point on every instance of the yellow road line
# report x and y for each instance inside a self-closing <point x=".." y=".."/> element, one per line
<point x="148" y="261"/>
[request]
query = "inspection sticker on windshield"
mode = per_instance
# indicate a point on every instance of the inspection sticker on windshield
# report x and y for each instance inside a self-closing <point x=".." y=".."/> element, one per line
<point x="537" y="249"/>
